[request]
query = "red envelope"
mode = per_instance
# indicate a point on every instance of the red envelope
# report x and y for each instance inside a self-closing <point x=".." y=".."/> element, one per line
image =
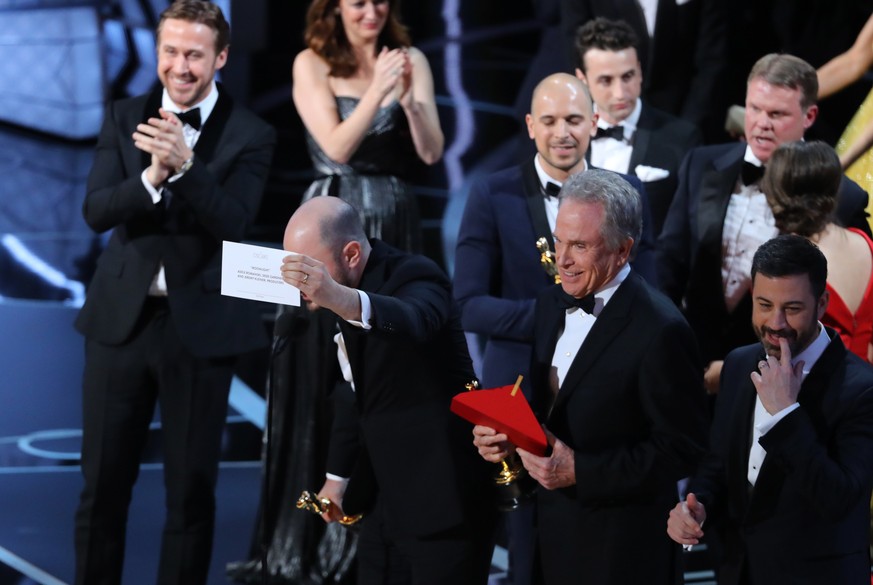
<point x="499" y="409"/>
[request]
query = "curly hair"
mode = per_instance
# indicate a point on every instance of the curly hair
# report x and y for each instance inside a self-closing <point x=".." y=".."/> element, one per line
<point x="324" y="34"/>
<point x="606" y="35"/>
<point x="801" y="184"/>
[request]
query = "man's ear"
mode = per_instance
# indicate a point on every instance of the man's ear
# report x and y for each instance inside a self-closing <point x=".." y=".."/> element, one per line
<point x="352" y="254"/>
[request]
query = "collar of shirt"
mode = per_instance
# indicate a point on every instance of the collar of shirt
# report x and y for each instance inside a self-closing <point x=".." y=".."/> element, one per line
<point x="604" y="293"/>
<point x="206" y="105"/>
<point x="544" y="176"/>
<point x="813" y="351"/>
<point x="628" y="125"/>
<point x="750" y="157"/>
<point x="650" y="12"/>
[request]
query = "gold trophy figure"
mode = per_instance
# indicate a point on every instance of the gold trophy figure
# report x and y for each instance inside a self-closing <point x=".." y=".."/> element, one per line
<point x="514" y="485"/>
<point x="310" y="501"/>
<point x="547" y="259"/>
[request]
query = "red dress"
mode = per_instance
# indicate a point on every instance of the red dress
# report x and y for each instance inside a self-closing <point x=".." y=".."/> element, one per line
<point x="855" y="330"/>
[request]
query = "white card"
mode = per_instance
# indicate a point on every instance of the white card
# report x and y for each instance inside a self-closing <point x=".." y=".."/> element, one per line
<point x="254" y="272"/>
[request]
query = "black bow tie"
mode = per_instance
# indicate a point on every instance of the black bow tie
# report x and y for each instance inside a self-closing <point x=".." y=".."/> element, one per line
<point x="615" y="132"/>
<point x="551" y="189"/>
<point x="191" y="117"/>
<point x="586" y="303"/>
<point x="751" y="173"/>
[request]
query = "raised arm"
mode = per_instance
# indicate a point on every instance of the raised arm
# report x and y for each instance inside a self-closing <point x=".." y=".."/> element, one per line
<point x="848" y="67"/>
<point x="316" y="103"/>
<point x="417" y="99"/>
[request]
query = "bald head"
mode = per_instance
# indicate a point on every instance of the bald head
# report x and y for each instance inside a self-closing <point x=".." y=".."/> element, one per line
<point x="561" y="122"/>
<point x="328" y="229"/>
<point x="561" y="84"/>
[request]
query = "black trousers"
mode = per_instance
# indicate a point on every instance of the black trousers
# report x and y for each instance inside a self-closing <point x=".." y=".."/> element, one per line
<point x="122" y="385"/>
<point x="460" y="556"/>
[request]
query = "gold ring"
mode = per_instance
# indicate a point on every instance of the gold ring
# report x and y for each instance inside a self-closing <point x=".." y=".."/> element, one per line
<point x="305" y="277"/>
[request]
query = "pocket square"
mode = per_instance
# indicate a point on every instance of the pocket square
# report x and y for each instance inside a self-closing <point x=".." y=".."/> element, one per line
<point x="649" y="174"/>
<point x="681" y="2"/>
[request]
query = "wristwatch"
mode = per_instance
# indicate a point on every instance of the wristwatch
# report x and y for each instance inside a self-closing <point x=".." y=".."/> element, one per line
<point x="186" y="166"/>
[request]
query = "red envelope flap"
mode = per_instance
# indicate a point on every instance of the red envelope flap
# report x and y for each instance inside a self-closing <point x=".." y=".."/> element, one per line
<point x="499" y="409"/>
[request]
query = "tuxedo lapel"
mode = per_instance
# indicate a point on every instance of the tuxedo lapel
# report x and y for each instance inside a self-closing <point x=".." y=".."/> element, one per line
<point x="641" y="140"/>
<point x="716" y="188"/>
<point x="215" y="125"/>
<point x="536" y="203"/>
<point x="741" y="441"/>
<point x="606" y="330"/>
<point x="151" y="110"/>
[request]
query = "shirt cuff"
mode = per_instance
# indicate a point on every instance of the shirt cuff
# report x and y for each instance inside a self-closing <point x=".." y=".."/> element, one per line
<point x="770" y="420"/>
<point x="366" y="312"/>
<point x="343" y="480"/>
<point x="155" y="193"/>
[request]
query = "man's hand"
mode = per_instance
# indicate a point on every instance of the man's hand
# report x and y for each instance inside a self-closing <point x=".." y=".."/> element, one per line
<point x="492" y="446"/>
<point x="316" y="285"/>
<point x="712" y="376"/>
<point x="334" y="490"/>
<point x="685" y="524"/>
<point x="163" y="139"/>
<point x="778" y="383"/>
<point x="553" y="472"/>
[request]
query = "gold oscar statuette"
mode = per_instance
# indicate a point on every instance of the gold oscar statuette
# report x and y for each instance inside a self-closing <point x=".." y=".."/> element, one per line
<point x="547" y="259"/>
<point x="310" y="501"/>
<point x="514" y="485"/>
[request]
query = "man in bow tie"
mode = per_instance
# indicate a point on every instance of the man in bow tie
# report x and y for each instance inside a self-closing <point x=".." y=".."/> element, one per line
<point x="619" y="389"/>
<point x="786" y="483"/>
<point x="632" y="136"/>
<point x="176" y="171"/>
<point x="719" y="216"/>
<point x="497" y="264"/>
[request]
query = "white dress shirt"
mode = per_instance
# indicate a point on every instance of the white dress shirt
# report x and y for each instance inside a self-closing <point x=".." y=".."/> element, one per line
<point x="577" y="325"/>
<point x="748" y="223"/>
<point x="764" y="421"/>
<point x="551" y="202"/>
<point x="611" y="154"/>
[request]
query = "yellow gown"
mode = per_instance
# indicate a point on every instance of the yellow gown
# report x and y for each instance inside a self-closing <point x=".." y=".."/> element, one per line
<point x="861" y="171"/>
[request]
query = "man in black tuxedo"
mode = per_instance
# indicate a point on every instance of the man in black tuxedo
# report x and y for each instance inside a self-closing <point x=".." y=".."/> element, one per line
<point x="176" y="171"/>
<point x="426" y="496"/>
<point x="720" y="216"/>
<point x="617" y="382"/>
<point x="788" y="478"/>
<point x="683" y="52"/>
<point x="632" y="136"/>
<point x="498" y="272"/>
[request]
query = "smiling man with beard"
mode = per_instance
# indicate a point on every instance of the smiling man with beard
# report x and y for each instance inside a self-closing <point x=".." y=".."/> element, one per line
<point x="719" y="215"/>
<point x="792" y="505"/>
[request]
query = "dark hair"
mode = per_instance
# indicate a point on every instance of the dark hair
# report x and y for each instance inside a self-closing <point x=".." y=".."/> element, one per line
<point x="201" y="12"/>
<point x="785" y="70"/>
<point x="622" y="206"/>
<point x="801" y="184"/>
<point x="325" y="35"/>
<point x="791" y="255"/>
<point x="606" y="35"/>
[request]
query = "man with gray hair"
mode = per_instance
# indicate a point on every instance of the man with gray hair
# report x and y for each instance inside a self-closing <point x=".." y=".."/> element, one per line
<point x="617" y="383"/>
<point x="719" y="215"/>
